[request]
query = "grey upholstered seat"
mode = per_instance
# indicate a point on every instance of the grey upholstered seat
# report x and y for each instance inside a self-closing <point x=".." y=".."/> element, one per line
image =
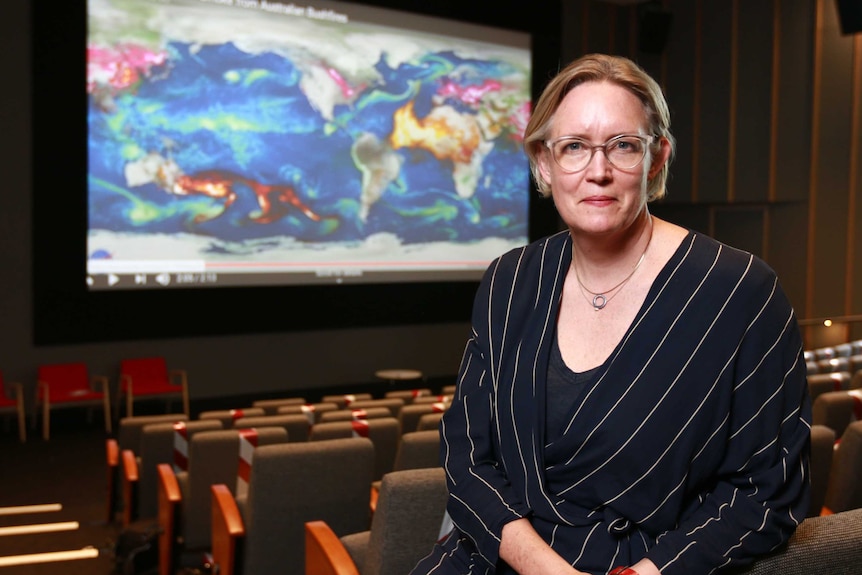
<point x="821" y="383"/>
<point x="157" y="446"/>
<point x="346" y="399"/>
<point x="410" y="414"/>
<point x="384" y="433"/>
<point x="395" y="404"/>
<point x="296" y="426"/>
<point x="827" y="545"/>
<point x="429" y="421"/>
<point x="213" y="459"/>
<point x="270" y="406"/>
<point x="229" y="416"/>
<point x="350" y="414"/>
<point x="845" y="479"/>
<point x="822" y="447"/>
<point x="836" y="409"/>
<point x="311" y="411"/>
<point x="417" y="450"/>
<point x="408" y="395"/>
<point x="291" y="484"/>
<point x="406" y="525"/>
<point x="128" y="439"/>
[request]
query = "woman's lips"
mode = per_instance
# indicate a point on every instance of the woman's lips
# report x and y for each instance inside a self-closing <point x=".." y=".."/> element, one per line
<point x="598" y="200"/>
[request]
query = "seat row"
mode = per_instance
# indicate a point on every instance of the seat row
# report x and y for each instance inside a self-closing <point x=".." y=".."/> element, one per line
<point x="63" y="385"/>
<point x="159" y="467"/>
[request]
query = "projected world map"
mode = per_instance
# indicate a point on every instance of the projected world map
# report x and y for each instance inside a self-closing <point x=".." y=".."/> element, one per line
<point x="251" y="133"/>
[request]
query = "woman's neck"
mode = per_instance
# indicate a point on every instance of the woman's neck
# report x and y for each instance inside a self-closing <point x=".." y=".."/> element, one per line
<point x="600" y="257"/>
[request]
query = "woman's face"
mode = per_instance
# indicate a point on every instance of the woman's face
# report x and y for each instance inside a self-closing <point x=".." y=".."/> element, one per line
<point x="601" y="199"/>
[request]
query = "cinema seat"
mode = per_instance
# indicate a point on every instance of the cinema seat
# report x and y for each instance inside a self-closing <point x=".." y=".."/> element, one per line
<point x="148" y="378"/>
<point x="69" y="385"/>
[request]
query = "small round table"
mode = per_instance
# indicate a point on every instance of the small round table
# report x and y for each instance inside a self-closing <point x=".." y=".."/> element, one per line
<point x="393" y="375"/>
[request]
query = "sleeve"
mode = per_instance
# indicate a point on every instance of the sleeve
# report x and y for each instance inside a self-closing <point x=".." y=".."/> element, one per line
<point x="481" y="498"/>
<point x="760" y="492"/>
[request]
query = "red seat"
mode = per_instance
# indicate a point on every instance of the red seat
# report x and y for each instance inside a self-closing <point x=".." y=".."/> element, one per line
<point x="13" y="403"/>
<point x="70" y="385"/>
<point x="149" y="378"/>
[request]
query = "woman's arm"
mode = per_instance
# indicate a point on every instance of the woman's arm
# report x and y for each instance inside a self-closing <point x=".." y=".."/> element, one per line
<point x="759" y="493"/>
<point x="528" y="554"/>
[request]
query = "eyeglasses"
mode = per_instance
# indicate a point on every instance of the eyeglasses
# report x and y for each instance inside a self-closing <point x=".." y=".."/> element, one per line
<point x="623" y="152"/>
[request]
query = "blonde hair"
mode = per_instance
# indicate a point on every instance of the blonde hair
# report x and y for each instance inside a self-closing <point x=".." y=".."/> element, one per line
<point x="600" y="68"/>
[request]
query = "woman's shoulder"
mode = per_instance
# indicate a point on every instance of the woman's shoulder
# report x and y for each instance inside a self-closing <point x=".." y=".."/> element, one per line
<point x="554" y="246"/>
<point x="729" y="262"/>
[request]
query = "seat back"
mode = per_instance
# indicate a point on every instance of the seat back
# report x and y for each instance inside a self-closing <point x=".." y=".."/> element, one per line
<point x="351" y="414"/>
<point x="837" y="409"/>
<point x="407" y="520"/>
<point x="346" y="399"/>
<point x="825" y="544"/>
<point x="312" y="411"/>
<point x="213" y="459"/>
<point x="384" y="433"/>
<point x="408" y="395"/>
<point x="270" y="406"/>
<point x="145" y="371"/>
<point x="157" y="446"/>
<point x="821" y="383"/>
<point x="64" y="378"/>
<point x="845" y="479"/>
<point x="410" y="414"/>
<point x="429" y="421"/>
<point x="131" y="428"/>
<point x="417" y="450"/>
<point x="394" y="404"/>
<point x="296" y="426"/>
<point x="293" y="483"/>
<point x="228" y="417"/>
<point x="822" y="447"/>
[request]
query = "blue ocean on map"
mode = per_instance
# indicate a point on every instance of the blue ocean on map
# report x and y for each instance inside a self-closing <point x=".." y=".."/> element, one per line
<point x="218" y="142"/>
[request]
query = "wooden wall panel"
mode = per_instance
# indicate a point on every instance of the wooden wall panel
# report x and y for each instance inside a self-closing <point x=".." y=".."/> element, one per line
<point x="749" y="162"/>
<point x="714" y="105"/>
<point x="831" y="166"/>
<point x="787" y="236"/>
<point x="853" y="289"/>
<point x="682" y="68"/>
<point x="792" y="130"/>
<point x="741" y="227"/>
<point x="599" y="31"/>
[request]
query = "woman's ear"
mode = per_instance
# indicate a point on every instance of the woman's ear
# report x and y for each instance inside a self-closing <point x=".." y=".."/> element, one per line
<point x="543" y="162"/>
<point x="660" y="159"/>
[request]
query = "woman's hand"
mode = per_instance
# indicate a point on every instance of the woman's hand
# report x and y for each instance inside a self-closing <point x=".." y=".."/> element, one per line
<point x="528" y="554"/>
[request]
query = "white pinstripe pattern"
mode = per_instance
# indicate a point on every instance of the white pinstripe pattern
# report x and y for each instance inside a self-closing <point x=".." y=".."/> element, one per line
<point x="695" y="429"/>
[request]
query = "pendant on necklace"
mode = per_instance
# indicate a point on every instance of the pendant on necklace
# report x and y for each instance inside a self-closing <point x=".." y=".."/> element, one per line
<point x="599" y="301"/>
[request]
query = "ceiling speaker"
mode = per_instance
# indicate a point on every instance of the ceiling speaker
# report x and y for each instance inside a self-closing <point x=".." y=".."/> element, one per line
<point x="850" y="14"/>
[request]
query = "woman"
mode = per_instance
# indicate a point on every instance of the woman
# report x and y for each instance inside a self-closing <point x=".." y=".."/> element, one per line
<point x="633" y="396"/>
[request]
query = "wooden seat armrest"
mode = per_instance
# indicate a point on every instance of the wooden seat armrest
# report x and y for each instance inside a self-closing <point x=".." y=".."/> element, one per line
<point x="170" y="499"/>
<point x="375" y="493"/>
<point x="130" y="465"/>
<point x="227" y="531"/>
<point x="112" y="456"/>
<point x="112" y="453"/>
<point x="324" y="552"/>
<point x="130" y="486"/>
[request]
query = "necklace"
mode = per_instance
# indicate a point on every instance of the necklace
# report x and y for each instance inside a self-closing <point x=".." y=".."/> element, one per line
<point x="601" y="299"/>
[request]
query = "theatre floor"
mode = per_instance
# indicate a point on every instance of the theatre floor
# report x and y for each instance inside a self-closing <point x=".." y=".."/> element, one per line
<point x="69" y="470"/>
